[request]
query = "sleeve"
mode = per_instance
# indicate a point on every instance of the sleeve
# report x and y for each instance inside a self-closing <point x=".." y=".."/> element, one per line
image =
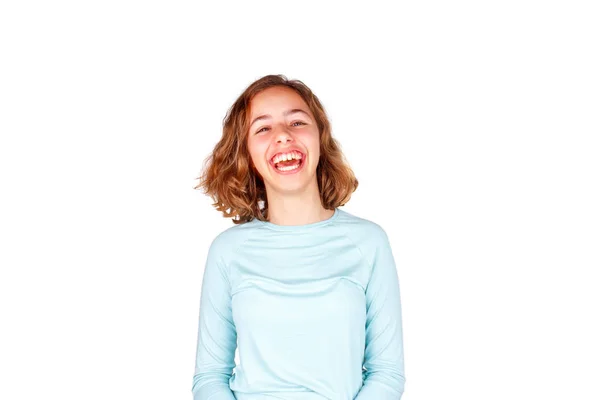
<point x="217" y="336"/>
<point x="383" y="378"/>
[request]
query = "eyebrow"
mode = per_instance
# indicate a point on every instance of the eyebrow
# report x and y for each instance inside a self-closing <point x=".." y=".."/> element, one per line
<point x="286" y="113"/>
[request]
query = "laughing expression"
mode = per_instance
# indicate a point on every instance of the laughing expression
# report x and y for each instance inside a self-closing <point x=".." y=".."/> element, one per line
<point x="283" y="140"/>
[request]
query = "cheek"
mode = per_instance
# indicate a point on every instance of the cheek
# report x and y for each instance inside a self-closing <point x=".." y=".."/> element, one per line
<point x="315" y="146"/>
<point x="256" y="160"/>
<point x="310" y="139"/>
<point x="257" y="153"/>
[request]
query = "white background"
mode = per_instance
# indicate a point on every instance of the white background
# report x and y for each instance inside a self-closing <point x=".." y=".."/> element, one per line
<point x="472" y="127"/>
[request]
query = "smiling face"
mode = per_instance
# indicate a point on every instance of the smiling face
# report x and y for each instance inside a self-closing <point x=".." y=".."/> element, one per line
<point x="283" y="140"/>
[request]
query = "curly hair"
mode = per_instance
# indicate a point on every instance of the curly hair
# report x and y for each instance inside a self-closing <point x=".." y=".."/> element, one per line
<point x="230" y="178"/>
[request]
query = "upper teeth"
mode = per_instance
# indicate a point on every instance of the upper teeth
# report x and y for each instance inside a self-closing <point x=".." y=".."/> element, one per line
<point x="287" y="156"/>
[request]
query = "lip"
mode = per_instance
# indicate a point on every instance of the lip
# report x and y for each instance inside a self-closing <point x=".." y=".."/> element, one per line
<point x="293" y="171"/>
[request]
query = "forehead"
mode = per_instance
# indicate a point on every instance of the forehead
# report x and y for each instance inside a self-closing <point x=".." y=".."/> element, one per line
<point x="276" y="99"/>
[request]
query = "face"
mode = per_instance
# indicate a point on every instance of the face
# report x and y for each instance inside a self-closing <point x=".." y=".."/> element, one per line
<point x="283" y="125"/>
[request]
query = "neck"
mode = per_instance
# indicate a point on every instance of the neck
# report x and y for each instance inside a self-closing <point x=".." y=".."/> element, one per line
<point x="297" y="209"/>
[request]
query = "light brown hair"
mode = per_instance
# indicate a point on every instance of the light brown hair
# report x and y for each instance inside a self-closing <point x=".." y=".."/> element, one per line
<point x="230" y="178"/>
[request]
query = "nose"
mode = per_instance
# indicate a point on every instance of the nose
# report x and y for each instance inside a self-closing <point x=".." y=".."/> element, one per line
<point x="282" y="135"/>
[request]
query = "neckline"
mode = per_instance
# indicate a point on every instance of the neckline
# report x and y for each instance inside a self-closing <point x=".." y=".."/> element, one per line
<point x="296" y="228"/>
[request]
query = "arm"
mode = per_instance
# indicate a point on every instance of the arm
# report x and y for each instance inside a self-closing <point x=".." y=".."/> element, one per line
<point x="384" y="354"/>
<point x="217" y="337"/>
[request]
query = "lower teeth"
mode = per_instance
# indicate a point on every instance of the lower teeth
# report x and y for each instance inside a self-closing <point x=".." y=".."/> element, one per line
<point x="291" y="167"/>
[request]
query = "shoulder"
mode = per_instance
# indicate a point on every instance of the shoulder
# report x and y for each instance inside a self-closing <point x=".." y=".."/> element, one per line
<point x="362" y="231"/>
<point x="226" y="242"/>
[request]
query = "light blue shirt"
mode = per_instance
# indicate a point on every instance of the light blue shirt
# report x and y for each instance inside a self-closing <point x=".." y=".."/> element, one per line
<point x="307" y="306"/>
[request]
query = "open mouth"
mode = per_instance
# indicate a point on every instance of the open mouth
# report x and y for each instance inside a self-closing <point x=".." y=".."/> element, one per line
<point x="289" y="166"/>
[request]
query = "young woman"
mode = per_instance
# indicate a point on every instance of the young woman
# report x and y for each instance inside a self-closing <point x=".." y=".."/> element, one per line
<point x="307" y="293"/>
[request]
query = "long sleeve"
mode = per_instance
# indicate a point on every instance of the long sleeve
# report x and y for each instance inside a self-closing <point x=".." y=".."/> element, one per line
<point x="217" y="336"/>
<point x="384" y="354"/>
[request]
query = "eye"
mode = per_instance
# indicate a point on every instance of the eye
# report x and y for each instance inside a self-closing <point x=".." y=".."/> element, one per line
<point x="293" y="123"/>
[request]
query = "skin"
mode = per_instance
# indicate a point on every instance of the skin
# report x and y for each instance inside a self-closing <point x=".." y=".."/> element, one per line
<point x="293" y="199"/>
